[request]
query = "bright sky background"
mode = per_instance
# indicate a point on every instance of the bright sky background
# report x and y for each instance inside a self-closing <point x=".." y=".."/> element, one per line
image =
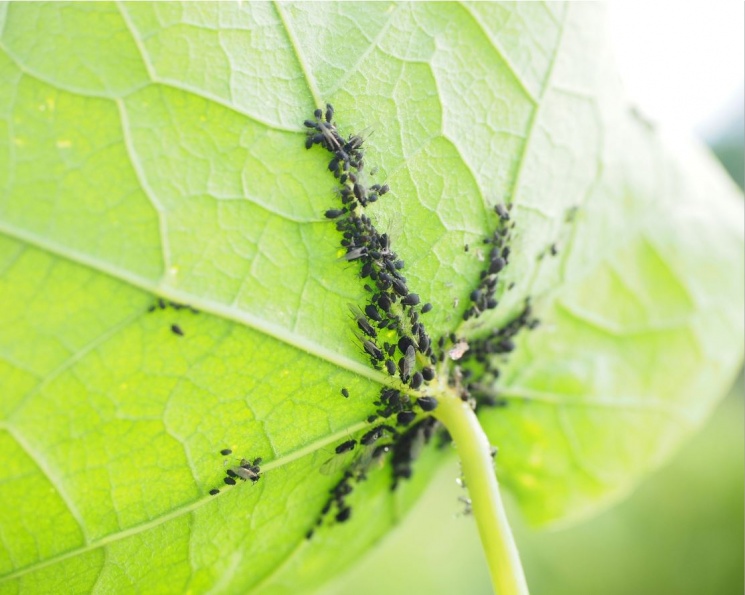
<point x="683" y="63"/>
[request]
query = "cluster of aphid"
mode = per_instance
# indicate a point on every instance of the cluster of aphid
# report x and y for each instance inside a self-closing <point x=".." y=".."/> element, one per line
<point x="392" y="306"/>
<point x="245" y="471"/>
<point x="482" y="351"/>
<point x="391" y="333"/>
<point x="499" y="255"/>
<point x="161" y="304"/>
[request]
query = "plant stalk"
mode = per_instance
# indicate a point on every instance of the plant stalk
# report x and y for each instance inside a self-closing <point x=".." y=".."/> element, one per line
<point x="477" y="465"/>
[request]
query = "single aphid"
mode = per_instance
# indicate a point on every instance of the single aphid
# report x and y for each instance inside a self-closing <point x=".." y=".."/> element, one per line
<point x="226" y="451"/>
<point x="345" y="393"/>
<point x="344" y="514"/>
<point x="372" y="313"/>
<point x="245" y="473"/>
<point x="427" y="403"/>
<point x="176" y="329"/>
<point x="345" y="446"/>
<point x="426" y="308"/>
<point x="407" y="363"/>
<point x="404" y="418"/>
<point x="334" y="213"/>
<point x="214" y="492"/>
<point x="416" y="380"/>
<point x="390" y="366"/>
<point x="372" y="350"/>
<point x="411" y="300"/>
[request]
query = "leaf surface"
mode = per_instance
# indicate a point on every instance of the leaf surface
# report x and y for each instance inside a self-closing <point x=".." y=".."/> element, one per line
<point x="156" y="149"/>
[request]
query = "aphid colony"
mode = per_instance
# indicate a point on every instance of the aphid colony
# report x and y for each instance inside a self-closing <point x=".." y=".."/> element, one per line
<point x="483" y="296"/>
<point x="392" y="310"/>
<point x="244" y="471"/>
<point x="482" y="352"/>
<point x="392" y="306"/>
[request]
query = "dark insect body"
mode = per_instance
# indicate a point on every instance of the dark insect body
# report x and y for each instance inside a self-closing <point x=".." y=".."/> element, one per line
<point x="345" y="446"/>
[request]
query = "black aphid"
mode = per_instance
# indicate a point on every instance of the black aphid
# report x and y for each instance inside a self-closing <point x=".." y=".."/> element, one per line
<point x="427" y="403"/>
<point x="345" y="393"/>
<point x="416" y="380"/>
<point x="344" y="514"/>
<point x="225" y="452"/>
<point x="411" y="300"/>
<point x="404" y="418"/>
<point x="229" y="480"/>
<point x="426" y="308"/>
<point x="329" y="112"/>
<point x="372" y="436"/>
<point x="345" y="446"/>
<point x="214" y="492"/>
<point x="372" y="313"/>
<point x="400" y="287"/>
<point x="334" y="213"/>
<point x="390" y="366"/>
<point x="428" y="373"/>
<point x="404" y="343"/>
<point x="176" y="329"/>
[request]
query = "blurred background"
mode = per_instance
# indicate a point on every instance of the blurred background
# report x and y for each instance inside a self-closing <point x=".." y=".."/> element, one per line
<point x="681" y="532"/>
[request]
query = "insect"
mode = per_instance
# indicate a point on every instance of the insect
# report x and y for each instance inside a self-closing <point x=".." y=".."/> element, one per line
<point x="411" y="300"/>
<point x="345" y="446"/>
<point x="214" y="492"/>
<point x="426" y="308"/>
<point x="226" y="451"/>
<point x="427" y="403"/>
<point x="334" y="213"/>
<point x="363" y="324"/>
<point x="345" y="393"/>
<point x="176" y="329"/>
<point x="407" y="362"/>
<point x="502" y="212"/>
<point x="372" y="313"/>
<point x="372" y="350"/>
<point x="416" y="380"/>
<point x="404" y="418"/>
<point x="390" y="367"/>
<point x="344" y="514"/>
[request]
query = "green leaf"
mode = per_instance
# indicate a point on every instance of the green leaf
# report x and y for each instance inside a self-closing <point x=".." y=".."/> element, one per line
<point x="157" y="149"/>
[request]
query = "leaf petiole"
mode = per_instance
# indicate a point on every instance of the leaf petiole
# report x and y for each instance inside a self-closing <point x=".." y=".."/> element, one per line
<point x="477" y="465"/>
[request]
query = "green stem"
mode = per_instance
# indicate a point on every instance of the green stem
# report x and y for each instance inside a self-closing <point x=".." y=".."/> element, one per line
<point x="477" y="464"/>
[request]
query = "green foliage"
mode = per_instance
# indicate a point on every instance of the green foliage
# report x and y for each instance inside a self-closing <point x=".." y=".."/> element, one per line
<point x="157" y="149"/>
